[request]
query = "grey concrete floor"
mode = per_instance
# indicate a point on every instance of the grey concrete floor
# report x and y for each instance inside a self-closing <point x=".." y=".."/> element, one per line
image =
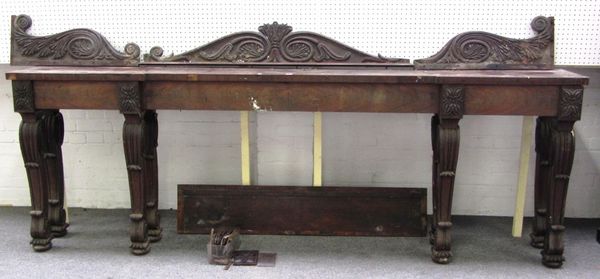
<point x="96" y="247"/>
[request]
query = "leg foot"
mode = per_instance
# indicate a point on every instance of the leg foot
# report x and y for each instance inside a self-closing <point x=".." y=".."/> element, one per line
<point x="440" y="251"/>
<point x="138" y="230"/>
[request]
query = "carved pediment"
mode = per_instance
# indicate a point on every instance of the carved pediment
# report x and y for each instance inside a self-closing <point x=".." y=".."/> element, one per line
<point x="77" y="47"/>
<point x="274" y="43"/>
<point x="481" y="50"/>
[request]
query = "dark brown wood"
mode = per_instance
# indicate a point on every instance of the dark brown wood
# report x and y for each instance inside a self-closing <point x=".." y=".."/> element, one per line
<point x="274" y="43"/>
<point x="342" y="211"/>
<point x="151" y="175"/>
<point x="445" y="141"/>
<point x="543" y="135"/>
<point x="481" y="50"/>
<point x="81" y="47"/>
<point x="293" y="74"/>
<point x="292" y="71"/>
<point x="33" y="139"/>
<point x="135" y="139"/>
<point x="562" y="151"/>
<point x="54" y="130"/>
<point x="290" y="96"/>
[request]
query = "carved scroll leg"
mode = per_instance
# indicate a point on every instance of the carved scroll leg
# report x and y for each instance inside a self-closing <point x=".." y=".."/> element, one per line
<point x="445" y="136"/>
<point x="32" y="139"/>
<point x="563" y="150"/>
<point x="447" y="144"/>
<point x="151" y="176"/>
<point x="133" y="143"/>
<point x="542" y="183"/>
<point x="54" y="128"/>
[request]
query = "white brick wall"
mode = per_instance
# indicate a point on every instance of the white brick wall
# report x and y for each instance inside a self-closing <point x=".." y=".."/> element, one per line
<point x="359" y="149"/>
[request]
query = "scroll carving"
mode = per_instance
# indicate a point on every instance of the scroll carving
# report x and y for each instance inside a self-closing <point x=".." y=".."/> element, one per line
<point x="80" y="47"/>
<point x="23" y="97"/>
<point x="274" y="43"/>
<point x="452" y="102"/>
<point x="482" y="50"/>
<point x="130" y="100"/>
<point x="569" y="106"/>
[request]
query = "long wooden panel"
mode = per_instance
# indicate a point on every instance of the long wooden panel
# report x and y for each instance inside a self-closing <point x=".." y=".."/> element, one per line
<point x="76" y="94"/>
<point x="342" y="211"/>
<point x="292" y="96"/>
<point x="511" y="100"/>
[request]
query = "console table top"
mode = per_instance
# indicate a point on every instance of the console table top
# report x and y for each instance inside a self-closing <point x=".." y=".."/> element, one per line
<point x="295" y="74"/>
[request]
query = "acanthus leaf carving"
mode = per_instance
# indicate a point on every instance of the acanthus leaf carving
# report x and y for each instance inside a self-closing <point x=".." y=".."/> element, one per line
<point x="274" y="43"/>
<point x="482" y="50"/>
<point x="83" y="47"/>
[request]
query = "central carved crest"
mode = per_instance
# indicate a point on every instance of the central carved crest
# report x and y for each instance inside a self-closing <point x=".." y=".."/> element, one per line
<point x="274" y="43"/>
<point x="275" y="32"/>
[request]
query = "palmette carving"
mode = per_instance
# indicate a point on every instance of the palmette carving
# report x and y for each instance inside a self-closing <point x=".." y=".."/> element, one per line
<point x="570" y="101"/>
<point x="23" y="98"/>
<point x="83" y="47"/>
<point x="452" y="102"/>
<point x="130" y="99"/>
<point x="482" y="50"/>
<point x="272" y="44"/>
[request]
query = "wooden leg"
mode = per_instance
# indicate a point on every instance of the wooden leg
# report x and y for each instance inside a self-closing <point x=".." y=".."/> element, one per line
<point x="133" y="143"/>
<point x="435" y="121"/>
<point x="542" y="182"/>
<point x="32" y="139"/>
<point x="562" y="153"/>
<point x="54" y="129"/>
<point x="446" y="144"/>
<point x="151" y="175"/>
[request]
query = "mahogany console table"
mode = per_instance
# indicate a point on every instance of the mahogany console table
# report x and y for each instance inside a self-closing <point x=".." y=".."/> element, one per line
<point x="476" y="73"/>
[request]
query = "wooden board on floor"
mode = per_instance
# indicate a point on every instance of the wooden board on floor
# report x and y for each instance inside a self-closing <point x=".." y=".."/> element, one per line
<point x="290" y="210"/>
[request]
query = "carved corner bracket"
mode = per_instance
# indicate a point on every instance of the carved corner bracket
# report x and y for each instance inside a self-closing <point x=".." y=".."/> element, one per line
<point x="569" y="103"/>
<point x="274" y="43"/>
<point x="482" y="50"/>
<point x="130" y="98"/>
<point x="76" y="47"/>
<point x="452" y="101"/>
<point x="23" y="96"/>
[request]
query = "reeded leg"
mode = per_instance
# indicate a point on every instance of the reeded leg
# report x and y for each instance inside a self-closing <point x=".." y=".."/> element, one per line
<point x="32" y="139"/>
<point x="447" y="142"/>
<point x="562" y="151"/>
<point x="542" y="183"/>
<point x="133" y="143"/>
<point x="54" y="128"/>
<point x="151" y="176"/>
